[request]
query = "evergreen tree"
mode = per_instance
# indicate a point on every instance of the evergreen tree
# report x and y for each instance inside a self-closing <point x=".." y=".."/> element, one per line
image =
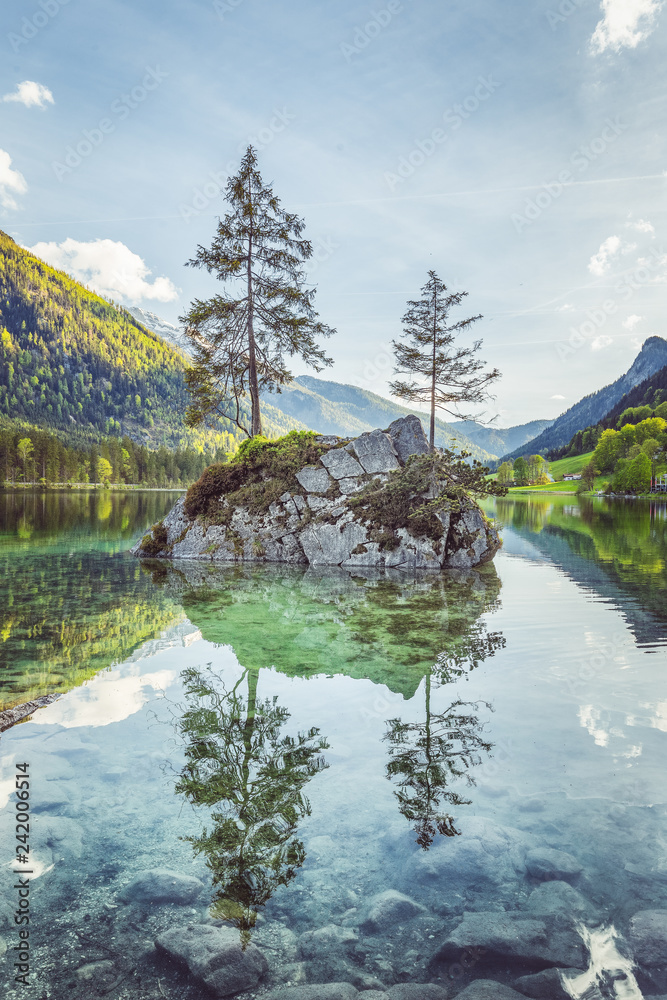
<point x="447" y="375"/>
<point x="240" y="339"/>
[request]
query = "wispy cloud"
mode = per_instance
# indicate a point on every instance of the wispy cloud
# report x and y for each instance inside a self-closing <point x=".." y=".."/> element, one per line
<point x="625" y="24"/>
<point x="631" y="322"/>
<point x="642" y="226"/>
<point x="11" y="181"/>
<point x="557" y="396"/>
<point x="601" y="341"/>
<point x="33" y="95"/>
<point x="110" y="268"/>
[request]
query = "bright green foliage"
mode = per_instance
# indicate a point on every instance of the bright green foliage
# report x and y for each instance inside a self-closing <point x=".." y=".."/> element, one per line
<point x="633" y="415"/>
<point x="259" y="473"/>
<point x="521" y="471"/>
<point x="607" y="451"/>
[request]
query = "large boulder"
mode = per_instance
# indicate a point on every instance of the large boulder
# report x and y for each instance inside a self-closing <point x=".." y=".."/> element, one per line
<point x="547" y="863"/>
<point x="648" y="937"/>
<point x="386" y="909"/>
<point x="216" y="957"/>
<point x="546" y="985"/>
<point x="515" y="937"/>
<point x="314" y="991"/>
<point x="416" y="991"/>
<point x="321" y="520"/>
<point x="408" y="437"/>
<point x="487" y="989"/>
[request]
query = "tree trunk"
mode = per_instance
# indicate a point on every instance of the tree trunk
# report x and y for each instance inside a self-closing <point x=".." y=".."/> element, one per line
<point x="256" y="419"/>
<point x="431" y="436"/>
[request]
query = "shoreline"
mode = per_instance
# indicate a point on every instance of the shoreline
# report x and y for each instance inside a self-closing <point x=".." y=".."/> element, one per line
<point x="89" y="488"/>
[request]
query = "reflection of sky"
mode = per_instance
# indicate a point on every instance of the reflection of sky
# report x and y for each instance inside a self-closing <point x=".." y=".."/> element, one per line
<point x="107" y="698"/>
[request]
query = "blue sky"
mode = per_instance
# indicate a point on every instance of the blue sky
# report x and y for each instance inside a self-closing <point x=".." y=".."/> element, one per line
<point x="516" y="148"/>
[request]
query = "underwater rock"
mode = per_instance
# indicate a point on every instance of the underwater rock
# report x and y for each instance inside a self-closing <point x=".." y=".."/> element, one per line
<point x="536" y="943"/>
<point x="417" y="991"/>
<point x="545" y="985"/>
<point x="314" y="991"/>
<point x="557" y="899"/>
<point x="216" y="957"/>
<point x="366" y="513"/>
<point x="331" y="936"/>
<point x="487" y="989"/>
<point x="546" y="863"/>
<point x="648" y="936"/>
<point x="161" y="885"/>
<point x="386" y="909"/>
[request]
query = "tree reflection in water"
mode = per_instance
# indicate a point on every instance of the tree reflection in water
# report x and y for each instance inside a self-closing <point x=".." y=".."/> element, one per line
<point x="251" y="774"/>
<point x="425" y="758"/>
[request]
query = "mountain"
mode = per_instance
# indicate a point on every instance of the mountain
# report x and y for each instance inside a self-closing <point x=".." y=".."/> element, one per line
<point x="499" y="440"/>
<point x="652" y="391"/>
<point x="333" y="407"/>
<point x="174" y="335"/>
<point x="337" y="408"/>
<point x="79" y="365"/>
<point x="594" y="407"/>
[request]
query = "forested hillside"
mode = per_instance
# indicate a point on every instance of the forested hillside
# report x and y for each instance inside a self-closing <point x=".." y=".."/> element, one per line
<point x="75" y="363"/>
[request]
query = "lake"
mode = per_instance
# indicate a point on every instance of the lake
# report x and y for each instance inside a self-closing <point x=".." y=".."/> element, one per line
<point x="258" y="778"/>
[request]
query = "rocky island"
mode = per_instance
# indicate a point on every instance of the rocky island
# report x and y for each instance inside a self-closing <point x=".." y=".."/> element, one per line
<point x="379" y="500"/>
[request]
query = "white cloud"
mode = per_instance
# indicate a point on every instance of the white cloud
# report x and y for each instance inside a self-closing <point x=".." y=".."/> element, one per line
<point x="601" y="341"/>
<point x="11" y="181"/>
<point x="33" y="95"/>
<point x="625" y="24"/>
<point x="642" y="226"/>
<point x="566" y="307"/>
<point x="110" y="268"/>
<point x="557" y="396"/>
<point x="601" y="261"/>
<point x="630" y="322"/>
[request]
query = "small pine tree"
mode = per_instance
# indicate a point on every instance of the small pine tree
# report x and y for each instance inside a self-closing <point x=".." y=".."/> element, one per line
<point x="446" y="375"/>
<point x="240" y="340"/>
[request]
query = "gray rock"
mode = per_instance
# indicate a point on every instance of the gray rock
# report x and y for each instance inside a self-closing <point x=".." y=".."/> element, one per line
<point x="375" y="452"/>
<point x="487" y="989"/>
<point x="417" y="991"/>
<point x="349" y="486"/>
<point x="547" y="863"/>
<point x="314" y="479"/>
<point x="408" y="437"/>
<point x="341" y="464"/>
<point x="387" y="909"/>
<point x="329" y="439"/>
<point x="470" y="540"/>
<point x="327" y="545"/>
<point x="374" y="995"/>
<point x="648" y="937"/>
<point x="314" y="991"/>
<point x="161" y="885"/>
<point x="556" y="898"/>
<point x="545" y="985"/>
<point x="513" y="936"/>
<point x="215" y="956"/>
<point x="313" y="943"/>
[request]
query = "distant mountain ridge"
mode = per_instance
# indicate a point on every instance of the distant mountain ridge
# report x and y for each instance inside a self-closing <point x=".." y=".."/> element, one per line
<point x="592" y="408"/>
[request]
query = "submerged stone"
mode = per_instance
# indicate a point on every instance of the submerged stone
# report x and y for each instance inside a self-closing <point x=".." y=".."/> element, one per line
<point x="387" y="909"/>
<point x="417" y="991"/>
<point x="547" y="863"/>
<point x="314" y="991"/>
<point x="487" y="989"/>
<point x="215" y="956"/>
<point x="536" y="943"/>
<point x="648" y="937"/>
<point x="546" y="985"/>
<point x="161" y="885"/>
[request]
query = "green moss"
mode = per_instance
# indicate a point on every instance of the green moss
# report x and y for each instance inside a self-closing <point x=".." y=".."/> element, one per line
<point x="155" y="542"/>
<point x="256" y="477"/>
<point x="360" y="549"/>
<point x="399" y="503"/>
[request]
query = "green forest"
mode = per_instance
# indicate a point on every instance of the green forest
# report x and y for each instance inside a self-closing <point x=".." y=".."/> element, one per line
<point x="87" y="372"/>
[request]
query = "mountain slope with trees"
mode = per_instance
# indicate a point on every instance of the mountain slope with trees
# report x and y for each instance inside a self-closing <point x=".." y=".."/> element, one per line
<point x="82" y="367"/>
<point x="592" y="408"/>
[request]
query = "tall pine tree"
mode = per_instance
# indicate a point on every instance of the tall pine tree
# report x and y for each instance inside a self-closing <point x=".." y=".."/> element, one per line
<point x="240" y="339"/>
<point x="445" y="375"/>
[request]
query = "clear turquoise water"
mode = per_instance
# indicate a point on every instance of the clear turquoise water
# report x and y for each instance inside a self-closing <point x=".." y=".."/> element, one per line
<point x="302" y="741"/>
